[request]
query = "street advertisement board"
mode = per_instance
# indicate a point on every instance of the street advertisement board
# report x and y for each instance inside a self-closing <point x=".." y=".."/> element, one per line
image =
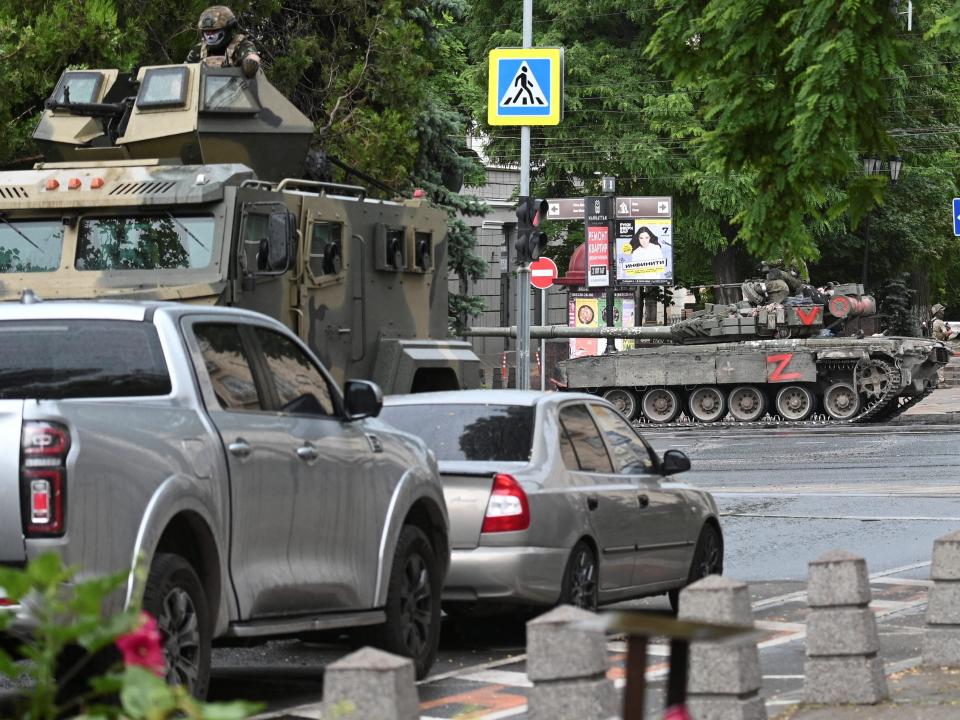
<point x="644" y="249"/>
<point x="586" y="309"/>
<point x="598" y="256"/>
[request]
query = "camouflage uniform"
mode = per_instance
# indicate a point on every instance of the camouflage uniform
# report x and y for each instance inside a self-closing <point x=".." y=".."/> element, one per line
<point x="237" y="49"/>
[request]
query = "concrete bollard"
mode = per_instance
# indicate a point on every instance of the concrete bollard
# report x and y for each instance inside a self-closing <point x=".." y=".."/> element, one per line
<point x="843" y="665"/>
<point x="724" y="680"/>
<point x="371" y="684"/>
<point x="568" y="668"/>
<point x="941" y="637"/>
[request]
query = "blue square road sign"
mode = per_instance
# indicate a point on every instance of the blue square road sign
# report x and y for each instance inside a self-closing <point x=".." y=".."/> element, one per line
<point x="956" y="216"/>
<point x="525" y="87"/>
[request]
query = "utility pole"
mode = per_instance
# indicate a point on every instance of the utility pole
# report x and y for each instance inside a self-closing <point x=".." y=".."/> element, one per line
<point x="523" y="271"/>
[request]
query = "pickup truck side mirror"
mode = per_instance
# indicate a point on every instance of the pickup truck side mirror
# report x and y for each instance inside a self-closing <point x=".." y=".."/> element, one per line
<point x="362" y="398"/>
<point x="674" y="461"/>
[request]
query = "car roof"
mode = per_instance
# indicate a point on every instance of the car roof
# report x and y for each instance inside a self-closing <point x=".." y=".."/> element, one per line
<point x="526" y="398"/>
<point x="136" y="310"/>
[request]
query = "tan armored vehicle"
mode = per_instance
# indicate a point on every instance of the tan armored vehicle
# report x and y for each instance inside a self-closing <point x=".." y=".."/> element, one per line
<point x="181" y="184"/>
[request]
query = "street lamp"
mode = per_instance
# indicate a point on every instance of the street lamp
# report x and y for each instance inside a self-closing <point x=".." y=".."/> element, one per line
<point x="876" y="166"/>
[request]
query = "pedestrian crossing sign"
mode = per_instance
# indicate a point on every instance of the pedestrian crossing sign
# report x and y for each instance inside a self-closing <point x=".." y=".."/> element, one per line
<point x="526" y="86"/>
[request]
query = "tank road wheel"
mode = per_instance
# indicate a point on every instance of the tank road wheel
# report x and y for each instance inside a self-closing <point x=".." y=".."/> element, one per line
<point x="794" y="402"/>
<point x="747" y="403"/>
<point x="841" y="401"/>
<point x="660" y="405"/>
<point x="623" y="400"/>
<point x="707" y="404"/>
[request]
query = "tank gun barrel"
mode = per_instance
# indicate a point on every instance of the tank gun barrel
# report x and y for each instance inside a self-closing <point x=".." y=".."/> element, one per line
<point x="546" y="332"/>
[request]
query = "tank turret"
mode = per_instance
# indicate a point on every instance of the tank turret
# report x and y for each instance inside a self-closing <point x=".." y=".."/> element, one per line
<point x="175" y="114"/>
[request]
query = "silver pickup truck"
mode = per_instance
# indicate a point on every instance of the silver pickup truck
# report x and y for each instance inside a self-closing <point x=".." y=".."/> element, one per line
<point x="209" y="444"/>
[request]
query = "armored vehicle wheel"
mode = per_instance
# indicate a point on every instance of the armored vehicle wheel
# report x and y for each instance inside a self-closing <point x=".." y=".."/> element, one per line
<point x="841" y="401"/>
<point x="660" y="405"/>
<point x="707" y="404"/>
<point x="794" y="402"/>
<point x="747" y="403"/>
<point x="874" y="379"/>
<point x="623" y="400"/>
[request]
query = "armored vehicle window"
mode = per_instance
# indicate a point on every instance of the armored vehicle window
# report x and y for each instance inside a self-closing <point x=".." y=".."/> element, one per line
<point x="158" y="242"/>
<point x="163" y="88"/>
<point x="326" y="248"/>
<point x="30" y="245"/>
<point x="585" y="438"/>
<point x="227" y="366"/>
<point x="629" y="454"/>
<point x="302" y="389"/>
<point x="83" y="86"/>
<point x="228" y="93"/>
<point x="468" y="432"/>
<point x="55" y="359"/>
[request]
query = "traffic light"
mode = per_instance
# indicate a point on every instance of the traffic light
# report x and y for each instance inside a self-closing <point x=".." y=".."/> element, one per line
<point x="530" y="240"/>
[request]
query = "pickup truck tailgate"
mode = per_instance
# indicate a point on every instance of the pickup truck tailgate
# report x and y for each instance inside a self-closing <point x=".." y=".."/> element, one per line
<point x="11" y="527"/>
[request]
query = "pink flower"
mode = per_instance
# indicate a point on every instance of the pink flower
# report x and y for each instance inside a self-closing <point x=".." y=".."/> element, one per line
<point x="676" y="712"/>
<point x="144" y="646"/>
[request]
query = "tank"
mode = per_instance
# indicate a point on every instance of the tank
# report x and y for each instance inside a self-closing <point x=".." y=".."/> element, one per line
<point x="777" y="354"/>
<point x="184" y="182"/>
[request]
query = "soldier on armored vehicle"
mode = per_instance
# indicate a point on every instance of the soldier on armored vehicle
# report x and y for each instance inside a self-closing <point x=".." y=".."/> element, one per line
<point x="221" y="44"/>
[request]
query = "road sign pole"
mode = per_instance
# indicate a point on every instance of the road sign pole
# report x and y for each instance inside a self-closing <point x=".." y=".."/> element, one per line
<point x="543" y="343"/>
<point x="523" y="272"/>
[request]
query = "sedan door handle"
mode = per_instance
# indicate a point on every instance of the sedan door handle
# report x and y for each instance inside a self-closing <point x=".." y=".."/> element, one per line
<point x="643" y="500"/>
<point x="307" y="452"/>
<point x="592" y="502"/>
<point x="239" y="448"/>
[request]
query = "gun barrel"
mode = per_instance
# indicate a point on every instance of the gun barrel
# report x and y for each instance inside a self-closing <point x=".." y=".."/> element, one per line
<point x="105" y="110"/>
<point x="546" y="332"/>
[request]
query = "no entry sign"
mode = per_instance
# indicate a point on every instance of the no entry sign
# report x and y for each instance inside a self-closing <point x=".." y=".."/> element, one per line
<point x="542" y="273"/>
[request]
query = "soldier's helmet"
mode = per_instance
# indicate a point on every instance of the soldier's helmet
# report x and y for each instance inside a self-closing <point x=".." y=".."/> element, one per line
<point x="937" y="310"/>
<point x="217" y="25"/>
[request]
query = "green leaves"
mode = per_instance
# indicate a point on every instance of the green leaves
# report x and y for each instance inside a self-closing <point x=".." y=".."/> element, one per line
<point x="790" y="94"/>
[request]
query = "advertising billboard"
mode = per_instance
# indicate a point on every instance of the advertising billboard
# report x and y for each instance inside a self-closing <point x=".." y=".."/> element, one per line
<point x="644" y="248"/>
<point x="589" y="310"/>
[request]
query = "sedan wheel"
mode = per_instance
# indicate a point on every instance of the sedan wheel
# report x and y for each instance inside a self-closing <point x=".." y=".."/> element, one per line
<point x="580" y="579"/>
<point x="707" y="560"/>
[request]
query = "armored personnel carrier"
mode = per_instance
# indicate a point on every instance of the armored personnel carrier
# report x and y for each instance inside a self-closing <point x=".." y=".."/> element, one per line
<point x="775" y="353"/>
<point x="183" y="182"/>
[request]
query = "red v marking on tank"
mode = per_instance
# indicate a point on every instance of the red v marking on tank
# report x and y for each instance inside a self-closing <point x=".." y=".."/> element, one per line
<point x="778" y="374"/>
<point x="808" y="315"/>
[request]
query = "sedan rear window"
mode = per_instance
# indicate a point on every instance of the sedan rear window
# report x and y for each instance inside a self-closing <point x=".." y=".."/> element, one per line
<point x="468" y="432"/>
<point x="56" y="359"/>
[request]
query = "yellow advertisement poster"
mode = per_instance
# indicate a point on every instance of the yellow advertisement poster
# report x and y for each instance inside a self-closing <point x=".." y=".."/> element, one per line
<point x="586" y="313"/>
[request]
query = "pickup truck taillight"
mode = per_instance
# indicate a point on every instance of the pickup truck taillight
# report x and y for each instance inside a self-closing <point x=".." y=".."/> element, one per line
<point x="507" y="508"/>
<point x="43" y="478"/>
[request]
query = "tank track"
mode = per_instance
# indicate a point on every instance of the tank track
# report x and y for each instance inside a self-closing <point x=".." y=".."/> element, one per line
<point x="882" y="409"/>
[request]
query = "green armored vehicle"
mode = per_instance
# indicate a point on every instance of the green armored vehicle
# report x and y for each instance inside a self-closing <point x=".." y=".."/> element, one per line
<point x="183" y="183"/>
<point x="774" y="353"/>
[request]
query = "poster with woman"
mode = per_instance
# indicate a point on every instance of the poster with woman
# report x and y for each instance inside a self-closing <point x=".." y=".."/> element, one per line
<point x="646" y="257"/>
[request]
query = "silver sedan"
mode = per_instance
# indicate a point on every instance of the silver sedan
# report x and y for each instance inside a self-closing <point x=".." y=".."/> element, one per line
<point x="555" y="497"/>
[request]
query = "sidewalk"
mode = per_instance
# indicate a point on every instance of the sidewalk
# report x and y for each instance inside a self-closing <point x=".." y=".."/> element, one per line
<point x="915" y="694"/>
<point x="941" y="407"/>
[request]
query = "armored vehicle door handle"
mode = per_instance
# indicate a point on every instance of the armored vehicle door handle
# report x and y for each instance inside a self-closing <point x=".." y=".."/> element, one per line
<point x="643" y="500"/>
<point x="239" y="448"/>
<point x="307" y="452"/>
<point x="344" y="330"/>
<point x="592" y="502"/>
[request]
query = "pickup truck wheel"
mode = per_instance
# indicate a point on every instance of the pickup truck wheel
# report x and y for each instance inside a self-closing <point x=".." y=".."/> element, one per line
<point x="413" y="602"/>
<point x="175" y="597"/>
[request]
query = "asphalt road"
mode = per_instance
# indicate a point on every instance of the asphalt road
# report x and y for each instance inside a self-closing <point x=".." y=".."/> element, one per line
<point x="786" y="496"/>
